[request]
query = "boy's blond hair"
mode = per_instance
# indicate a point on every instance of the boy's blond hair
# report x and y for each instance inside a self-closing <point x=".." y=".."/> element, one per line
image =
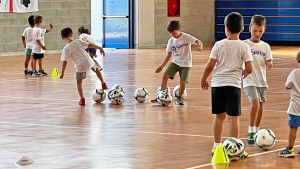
<point x="258" y="20"/>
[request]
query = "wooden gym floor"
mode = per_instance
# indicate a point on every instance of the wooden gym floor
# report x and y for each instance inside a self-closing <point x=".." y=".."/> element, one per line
<point x="40" y="117"/>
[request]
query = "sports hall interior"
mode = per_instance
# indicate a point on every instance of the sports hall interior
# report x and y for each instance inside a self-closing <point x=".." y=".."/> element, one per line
<point x="40" y="117"/>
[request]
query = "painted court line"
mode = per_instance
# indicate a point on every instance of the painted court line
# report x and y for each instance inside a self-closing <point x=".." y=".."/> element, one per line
<point x="126" y="131"/>
<point x="252" y="155"/>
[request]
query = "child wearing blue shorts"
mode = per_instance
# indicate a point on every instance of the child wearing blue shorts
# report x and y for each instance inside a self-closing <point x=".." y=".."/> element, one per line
<point x="293" y="83"/>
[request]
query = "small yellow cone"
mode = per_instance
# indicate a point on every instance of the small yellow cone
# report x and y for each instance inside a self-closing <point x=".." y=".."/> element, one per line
<point x="55" y="72"/>
<point x="220" y="155"/>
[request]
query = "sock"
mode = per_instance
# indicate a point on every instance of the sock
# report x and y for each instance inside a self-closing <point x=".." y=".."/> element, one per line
<point x="289" y="147"/>
<point x="256" y="129"/>
<point x="215" y="144"/>
<point x="251" y="129"/>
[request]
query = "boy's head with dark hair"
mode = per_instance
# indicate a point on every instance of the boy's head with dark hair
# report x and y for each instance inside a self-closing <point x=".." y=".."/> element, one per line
<point x="83" y="29"/>
<point x="174" y="28"/>
<point x="31" y="20"/>
<point x="257" y="27"/>
<point x="38" y="20"/>
<point x="234" y="22"/>
<point x="66" y="33"/>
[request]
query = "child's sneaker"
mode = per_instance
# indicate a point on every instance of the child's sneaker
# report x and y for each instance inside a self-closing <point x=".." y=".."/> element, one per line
<point x="26" y="71"/>
<point x="35" y="73"/>
<point x="42" y="72"/>
<point x="104" y="86"/>
<point x="82" y="101"/>
<point x="179" y="101"/>
<point x="30" y="72"/>
<point x="287" y="153"/>
<point x="298" y="153"/>
<point x="250" y="139"/>
<point x="154" y="101"/>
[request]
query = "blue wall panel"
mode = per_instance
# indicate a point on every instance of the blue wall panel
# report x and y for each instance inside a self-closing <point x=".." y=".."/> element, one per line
<point x="283" y="17"/>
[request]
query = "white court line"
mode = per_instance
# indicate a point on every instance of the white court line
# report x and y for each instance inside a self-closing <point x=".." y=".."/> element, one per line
<point x="125" y="131"/>
<point x="252" y="155"/>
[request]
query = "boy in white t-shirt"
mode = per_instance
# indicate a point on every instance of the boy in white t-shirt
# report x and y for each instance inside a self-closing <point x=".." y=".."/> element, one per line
<point x="84" y="34"/>
<point x="39" y="47"/>
<point x="75" y="51"/>
<point x="27" y="36"/>
<point x="179" y="46"/>
<point x="255" y="85"/>
<point x="293" y="83"/>
<point x="226" y="61"/>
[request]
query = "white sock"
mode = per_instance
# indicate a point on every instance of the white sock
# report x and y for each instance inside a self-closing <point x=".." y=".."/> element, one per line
<point x="215" y="144"/>
<point x="251" y="129"/>
<point x="256" y="129"/>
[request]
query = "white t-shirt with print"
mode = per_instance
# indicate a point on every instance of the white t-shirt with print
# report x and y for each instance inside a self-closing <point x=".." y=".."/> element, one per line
<point x="76" y="53"/>
<point x="181" y="49"/>
<point x="293" y="82"/>
<point x="38" y="34"/>
<point x="88" y="37"/>
<point x="261" y="52"/>
<point x="28" y="34"/>
<point x="230" y="56"/>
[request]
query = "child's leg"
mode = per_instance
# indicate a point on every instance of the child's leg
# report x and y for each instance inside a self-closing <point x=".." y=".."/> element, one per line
<point x="41" y="70"/>
<point x="164" y="82"/>
<point x="79" y="88"/>
<point x="292" y="137"/>
<point x="27" y="60"/>
<point x="79" y="77"/>
<point x="262" y="99"/>
<point x="218" y="127"/>
<point x="259" y="116"/>
<point x="99" y="75"/>
<point x="34" y="71"/>
<point x="255" y="106"/>
<point x="234" y="126"/>
<point x="184" y="78"/>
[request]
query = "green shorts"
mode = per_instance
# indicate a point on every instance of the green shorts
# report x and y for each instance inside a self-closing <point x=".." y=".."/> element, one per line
<point x="28" y="51"/>
<point x="184" y="72"/>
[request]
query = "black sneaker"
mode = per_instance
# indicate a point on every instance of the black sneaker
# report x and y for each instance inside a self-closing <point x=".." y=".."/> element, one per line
<point x="43" y="73"/>
<point x="26" y="71"/>
<point x="179" y="101"/>
<point x="36" y="73"/>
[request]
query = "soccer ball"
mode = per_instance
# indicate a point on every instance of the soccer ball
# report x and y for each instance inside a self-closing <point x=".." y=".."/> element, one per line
<point x="265" y="139"/>
<point x="176" y="92"/>
<point x="119" y="88"/>
<point x="116" y="97"/>
<point x="141" y="95"/>
<point x="234" y="146"/>
<point x="159" y="89"/>
<point x="164" y="97"/>
<point x="98" y="95"/>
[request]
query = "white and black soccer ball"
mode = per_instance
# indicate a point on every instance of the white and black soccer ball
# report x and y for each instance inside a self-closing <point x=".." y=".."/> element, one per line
<point x="164" y="97"/>
<point x="116" y="97"/>
<point x="119" y="88"/>
<point x="140" y="95"/>
<point x="265" y="139"/>
<point x="176" y="92"/>
<point x="159" y="90"/>
<point x="234" y="146"/>
<point x="98" y="95"/>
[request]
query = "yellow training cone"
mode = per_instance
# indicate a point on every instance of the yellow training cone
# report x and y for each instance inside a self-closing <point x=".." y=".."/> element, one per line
<point x="55" y="72"/>
<point x="220" y="155"/>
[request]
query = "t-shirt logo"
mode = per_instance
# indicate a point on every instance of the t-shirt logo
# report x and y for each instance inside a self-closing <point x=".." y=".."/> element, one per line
<point x="258" y="52"/>
<point x="174" y="48"/>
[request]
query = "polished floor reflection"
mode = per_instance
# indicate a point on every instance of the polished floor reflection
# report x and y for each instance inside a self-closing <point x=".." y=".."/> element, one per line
<point x="40" y="117"/>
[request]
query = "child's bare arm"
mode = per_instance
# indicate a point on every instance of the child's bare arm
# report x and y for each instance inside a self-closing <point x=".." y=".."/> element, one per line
<point x="64" y="65"/>
<point x="23" y="41"/>
<point x="41" y="45"/>
<point x="199" y="44"/>
<point x="248" y="69"/>
<point x="207" y="71"/>
<point x="97" y="47"/>
<point x="50" y="28"/>
<point x="163" y="64"/>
